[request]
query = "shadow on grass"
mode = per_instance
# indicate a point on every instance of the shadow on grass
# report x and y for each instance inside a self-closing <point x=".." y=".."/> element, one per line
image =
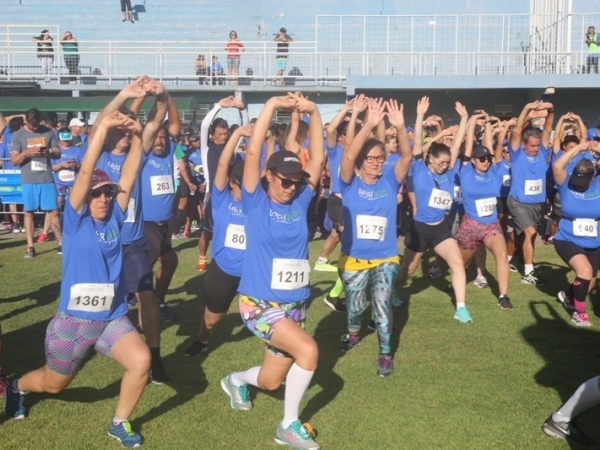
<point x="43" y="296"/>
<point x="570" y="355"/>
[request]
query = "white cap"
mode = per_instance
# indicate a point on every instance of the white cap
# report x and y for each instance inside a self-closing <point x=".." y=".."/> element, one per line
<point x="75" y="121"/>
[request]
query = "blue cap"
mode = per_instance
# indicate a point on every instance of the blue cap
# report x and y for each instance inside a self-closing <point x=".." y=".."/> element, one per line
<point x="410" y="129"/>
<point x="65" y="135"/>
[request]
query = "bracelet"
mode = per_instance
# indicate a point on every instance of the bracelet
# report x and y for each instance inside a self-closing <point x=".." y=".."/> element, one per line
<point x="551" y="110"/>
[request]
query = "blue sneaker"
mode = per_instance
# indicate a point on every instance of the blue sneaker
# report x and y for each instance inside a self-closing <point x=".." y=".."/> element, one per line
<point x="463" y="315"/>
<point x="14" y="402"/>
<point x="124" y="435"/>
<point x="239" y="395"/>
<point x="296" y="436"/>
<point x="166" y="314"/>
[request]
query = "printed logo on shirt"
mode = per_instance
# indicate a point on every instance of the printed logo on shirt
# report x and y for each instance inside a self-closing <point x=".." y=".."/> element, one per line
<point x="162" y="166"/>
<point x="588" y="195"/>
<point x="291" y="217"/>
<point x="372" y="195"/>
<point x="234" y="210"/>
<point x="39" y="141"/>
<point x="108" y="237"/>
<point x="114" y="167"/>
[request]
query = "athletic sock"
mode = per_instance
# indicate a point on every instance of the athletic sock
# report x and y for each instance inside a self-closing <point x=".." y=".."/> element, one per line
<point x="337" y="288"/>
<point x="117" y="421"/>
<point x="585" y="397"/>
<point x="249" y="376"/>
<point x="321" y="260"/>
<point x="296" y="384"/>
<point x="155" y="353"/>
<point x="528" y="269"/>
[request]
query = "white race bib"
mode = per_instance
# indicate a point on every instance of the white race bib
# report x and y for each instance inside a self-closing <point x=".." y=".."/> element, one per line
<point x="131" y="211"/>
<point x="66" y="175"/>
<point x="290" y="274"/>
<point x="370" y="227"/>
<point x="458" y="194"/>
<point x="91" y="297"/>
<point x="235" y="237"/>
<point x="485" y="206"/>
<point x="533" y="187"/>
<point x="39" y="166"/>
<point x="585" y="227"/>
<point x="162" y="184"/>
<point x="440" y="199"/>
<point x="506" y="180"/>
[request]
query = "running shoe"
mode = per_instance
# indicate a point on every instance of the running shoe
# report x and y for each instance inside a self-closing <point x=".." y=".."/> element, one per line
<point x="166" y="315"/>
<point x="325" y="267"/>
<point x="157" y="372"/>
<point x="349" y="342"/>
<point x="16" y="228"/>
<point x="132" y="300"/>
<point x="580" y="319"/>
<point x="194" y="226"/>
<point x="123" y="433"/>
<point x="532" y="278"/>
<point x="335" y="303"/>
<point x="178" y="236"/>
<point x="396" y="300"/>
<point x="463" y="315"/>
<point x="14" y="402"/>
<point x="239" y="395"/>
<point x="6" y="226"/>
<point x="43" y="237"/>
<point x="434" y="271"/>
<point x="296" y="436"/>
<point x="30" y="252"/>
<point x="566" y="300"/>
<point x="59" y="250"/>
<point x="548" y="240"/>
<point x="202" y="264"/>
<point x="196" y="349"/>
<point x="504" y="303"/>
<point x="480" y="282"/>
<point x="513" y="268"/>
<point x="568" y="431"/>
<point x="385" y="365"/>
<point x="3" y="383"/>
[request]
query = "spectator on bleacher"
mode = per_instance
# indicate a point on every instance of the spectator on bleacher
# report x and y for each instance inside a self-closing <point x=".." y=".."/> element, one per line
<point x="45" y="53"/>
<point x="592" y="41"/>
<point x="71" y="54"/>
<point x="31" y="148"/>
<point x="127" y="11"/>
<point x="217" y="71"/>
<point x="8" y="126"/>
<point x="281" y="57"/>
<point x="234" y="48"/>
<point x="201" y="69"/>
<point x="75" y="127"/>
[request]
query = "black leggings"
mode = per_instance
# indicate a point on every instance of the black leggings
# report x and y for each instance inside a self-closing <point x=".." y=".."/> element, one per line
<point x="72" y="63"/>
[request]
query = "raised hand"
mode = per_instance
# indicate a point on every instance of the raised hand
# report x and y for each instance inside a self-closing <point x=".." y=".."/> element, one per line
<point x="303" y="104"/>
<point x="376" y="112"/>
<point x="422" y="106"/>
<point x="245" y="130"/>
<point x="461" y="110"/>
<point x="361" y="103"/>
<point x="395" y="113"/>
<point x="227" y="102"/>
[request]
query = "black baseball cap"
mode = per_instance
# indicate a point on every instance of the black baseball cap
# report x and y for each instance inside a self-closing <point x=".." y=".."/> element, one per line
<point x="480" y="150"/>
<point x="580" y="181"/>
<point x="286" y="163"/>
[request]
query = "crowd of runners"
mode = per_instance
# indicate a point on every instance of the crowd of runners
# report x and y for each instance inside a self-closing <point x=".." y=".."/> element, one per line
<point x="259" y="191"/>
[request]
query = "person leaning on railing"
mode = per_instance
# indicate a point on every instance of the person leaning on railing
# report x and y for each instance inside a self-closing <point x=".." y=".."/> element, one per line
<point x="45" y="53"/>
<point x="591" y="40"/>
<point x="71" y="54"/>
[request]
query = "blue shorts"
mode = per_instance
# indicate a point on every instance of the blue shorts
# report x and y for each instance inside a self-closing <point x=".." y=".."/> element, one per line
<point x="39" y="196"/>
<point x="136" y="267"/>
<point x="233" y="61"/>
<point x="281" y="63"/>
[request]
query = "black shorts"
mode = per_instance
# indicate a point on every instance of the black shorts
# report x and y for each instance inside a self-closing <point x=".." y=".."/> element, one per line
<point x="208" y="217"/>
<point x="220" y="287"/>
<point x="136" y="267"/>
<point x="566" y="250"/>
<point x="335" y="210"/>
<point x="126" y="5"/>
<point x="420" y="236"/>
<point x="183" y="190"/>
<point x="158" y="238"/>
<point x="501" y="205"/>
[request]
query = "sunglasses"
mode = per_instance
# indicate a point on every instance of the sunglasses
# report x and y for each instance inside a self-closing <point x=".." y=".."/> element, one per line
<point x="487" y="159"/>
<point x="372" y="159"/>
<point x="286" y="183"/>
<point x="596" y="138"/>
<point x="107" y="192"/>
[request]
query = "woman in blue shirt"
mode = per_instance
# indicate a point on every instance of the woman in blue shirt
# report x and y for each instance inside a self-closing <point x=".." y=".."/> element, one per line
<point x="92" y="312"/>
<point x="433" y="178"/>
<point x="577" y="241"/>
<point x="369" y="258"/>
<point x="274" y="288"/>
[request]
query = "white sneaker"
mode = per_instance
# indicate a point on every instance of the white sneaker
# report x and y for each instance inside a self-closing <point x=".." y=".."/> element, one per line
<point x="480" y="282"/>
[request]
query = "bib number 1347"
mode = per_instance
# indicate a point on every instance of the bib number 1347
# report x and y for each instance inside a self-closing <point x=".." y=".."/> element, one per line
<point x="290" y="274"/>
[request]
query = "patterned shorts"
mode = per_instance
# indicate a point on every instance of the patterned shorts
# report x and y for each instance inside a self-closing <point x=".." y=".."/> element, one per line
<point x="261" y="317"/>
<point x="471" y="234"/>
<point x="69" y="340"/>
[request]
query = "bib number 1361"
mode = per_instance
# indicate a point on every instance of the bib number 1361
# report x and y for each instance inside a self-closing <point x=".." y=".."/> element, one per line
<point x="91" y="297"/>
<point x="290" y="274"/>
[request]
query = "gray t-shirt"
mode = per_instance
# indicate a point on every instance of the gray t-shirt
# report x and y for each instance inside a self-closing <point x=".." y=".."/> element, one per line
<point x="35" y="170"/>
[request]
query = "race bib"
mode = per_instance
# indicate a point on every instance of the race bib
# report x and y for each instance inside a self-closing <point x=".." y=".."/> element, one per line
<point x="585" y="228"/>
<point x="91" y="297"/>
<point x="370" y="227"/>
<point x="485" y="206"/>
<point x="458" y="194"/>
<point x="533" y="187"/>
<point x="506" y="180"/>
<point x="39" y="166"/>
<point x="66" y="175"/>
<point x="235" y="237"/>
<point x="162" y="185"/>
<point x="131" y="211"/>
<point x="290" y="274"/>
<point x="440" y="199"/>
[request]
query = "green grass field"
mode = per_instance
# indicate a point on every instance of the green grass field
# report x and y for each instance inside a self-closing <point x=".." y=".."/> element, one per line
<point x="489" y="384"/>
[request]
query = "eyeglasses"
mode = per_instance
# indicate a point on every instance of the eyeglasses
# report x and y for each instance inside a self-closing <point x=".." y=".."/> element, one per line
<point x="487" y="159"/>
<point x="441" y="163"/>
<point x="107" y="192"/>
<point x="372" y="159"/>
<point x="287" y="183"/>
<point x="596" y="138"/>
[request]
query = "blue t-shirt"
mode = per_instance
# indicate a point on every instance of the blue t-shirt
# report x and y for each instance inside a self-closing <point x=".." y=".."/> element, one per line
<point x="434" y="193"/>
<point x="66" y="177"/>
<point x="528" y="184"/>
<point x="580" y="205"/>
<point x="92" y="254"/>
<point x="195" y="157"/>
<point x="334" y="155"/>
<point x="5" y="156"/>
<point x="133" y="228"/>
<point x="276" y="246"/>
<point x="504" y="174"/>
<point x="370" y="217"/>
<point x="158" y="186"/>
<point x="479" y="192"/>
<point x="391" y="161"/>
<point x="229" y="238"/>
